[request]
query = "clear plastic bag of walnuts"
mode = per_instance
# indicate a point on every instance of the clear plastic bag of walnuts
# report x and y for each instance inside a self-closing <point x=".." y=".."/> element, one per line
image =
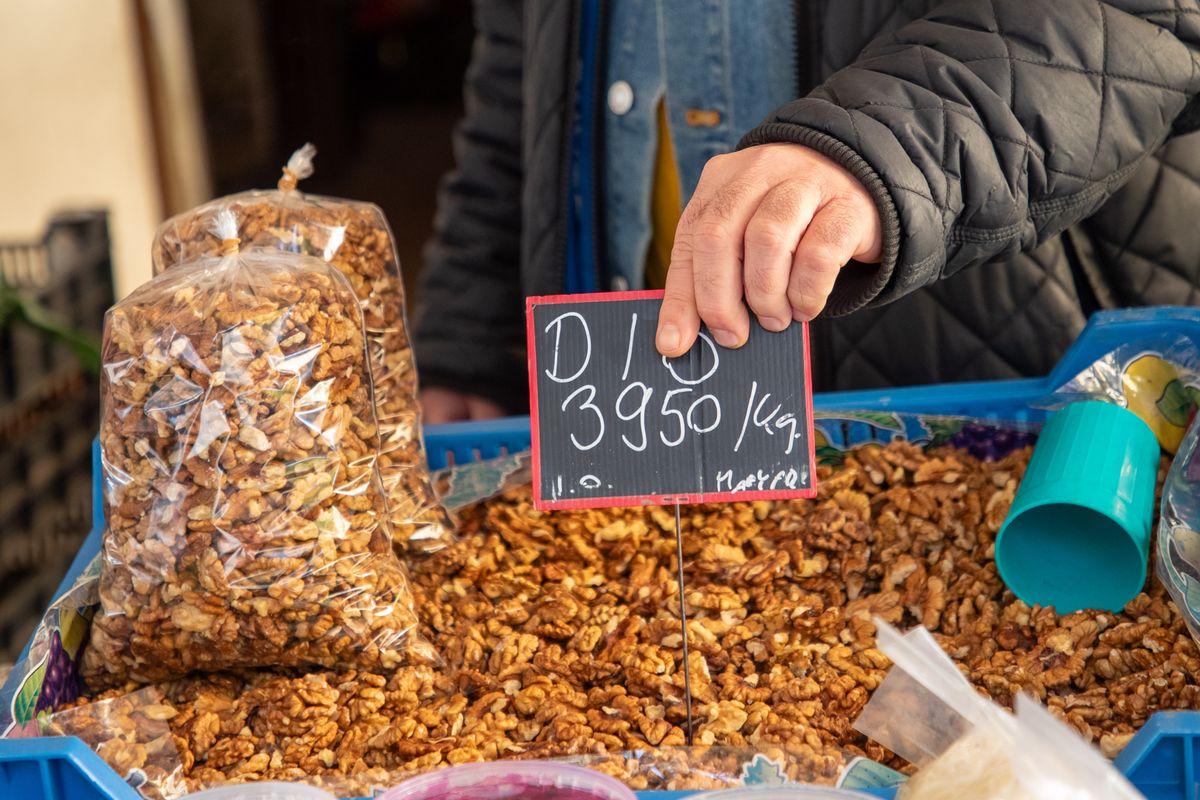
<point x="355" y="238"/>
<point x="246" y="523"/>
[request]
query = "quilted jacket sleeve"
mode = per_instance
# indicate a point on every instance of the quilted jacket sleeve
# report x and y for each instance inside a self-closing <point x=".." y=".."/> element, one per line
<point x="468" y="332"/>
<point x="989" y="126"/>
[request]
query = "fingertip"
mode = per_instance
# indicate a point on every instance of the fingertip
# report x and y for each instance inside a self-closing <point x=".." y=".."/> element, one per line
<point x="686" y="339"/>
<point x="677" y="321"/>
<point x="729" y="339"/>
<point x="806" y="313"/>
<point x="668" y="338"/>
<point x="774" y="324"/>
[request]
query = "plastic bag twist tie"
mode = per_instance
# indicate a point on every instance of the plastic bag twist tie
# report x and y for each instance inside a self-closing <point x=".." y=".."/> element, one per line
<point x="299" y="167"/>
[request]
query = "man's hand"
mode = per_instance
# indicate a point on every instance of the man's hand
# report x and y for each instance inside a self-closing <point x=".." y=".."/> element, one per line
<point x="443" y="405"/>
<point x="773" y="224"/>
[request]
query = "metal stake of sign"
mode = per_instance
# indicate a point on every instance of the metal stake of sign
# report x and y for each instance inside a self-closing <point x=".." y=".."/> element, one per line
<point x="687" y="669"/>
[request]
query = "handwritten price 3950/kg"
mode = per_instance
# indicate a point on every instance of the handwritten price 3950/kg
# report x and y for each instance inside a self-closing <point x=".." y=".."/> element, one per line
<point x="668" y="416"/>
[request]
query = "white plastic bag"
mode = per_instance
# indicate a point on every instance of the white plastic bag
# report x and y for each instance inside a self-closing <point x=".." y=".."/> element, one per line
<point x="966" y="745"/>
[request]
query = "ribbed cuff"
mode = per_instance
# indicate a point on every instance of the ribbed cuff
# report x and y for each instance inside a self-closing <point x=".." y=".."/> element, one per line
<point x="857" y="284"/>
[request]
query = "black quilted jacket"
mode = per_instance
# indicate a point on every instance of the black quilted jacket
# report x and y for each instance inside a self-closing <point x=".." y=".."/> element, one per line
<point x="1027" y="158"/>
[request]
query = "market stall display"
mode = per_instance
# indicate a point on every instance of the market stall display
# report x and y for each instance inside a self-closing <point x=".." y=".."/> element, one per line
<point x="559" y="639"/>
<point x="246" y="525"/>
<point x="355" y="238"/>
<point x="557" y="633"/>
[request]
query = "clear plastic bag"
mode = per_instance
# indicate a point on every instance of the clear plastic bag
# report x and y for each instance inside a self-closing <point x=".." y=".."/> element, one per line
<point x="355" y="238"/>
<point x="966" y="746"/>
<point x="719" y="767"/>
<point x="662" y="769"/>
<point x="1178" y="561"/>
<point x="246" y="525"/>
<point x="132" y="733"/>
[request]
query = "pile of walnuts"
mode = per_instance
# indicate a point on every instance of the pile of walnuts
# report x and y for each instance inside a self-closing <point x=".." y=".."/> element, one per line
<point x="561" y="638"/>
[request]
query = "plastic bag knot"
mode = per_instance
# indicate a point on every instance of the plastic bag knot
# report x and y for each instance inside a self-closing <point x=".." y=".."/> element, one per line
<point x="299" y="167"/>
<point x="225" y="227"/>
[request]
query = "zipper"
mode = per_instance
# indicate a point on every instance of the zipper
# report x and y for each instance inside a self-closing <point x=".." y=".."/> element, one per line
<point x="814" y="73"/>
<point x="564" y="228"/>
<point x="799" y="31"/>
<point x="598" y="110"/>
<point x="805" y="22"/>
<point x="597" y="100"/>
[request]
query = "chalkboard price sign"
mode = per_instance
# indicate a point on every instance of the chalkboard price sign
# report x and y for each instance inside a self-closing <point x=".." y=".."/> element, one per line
<point x="616" y="424"/>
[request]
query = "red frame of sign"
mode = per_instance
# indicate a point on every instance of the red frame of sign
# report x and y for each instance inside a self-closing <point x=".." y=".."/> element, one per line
<point x="652" y="499"/>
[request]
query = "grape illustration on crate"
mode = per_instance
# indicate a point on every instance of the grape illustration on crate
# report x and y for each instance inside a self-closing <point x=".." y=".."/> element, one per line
<point x="989" y="442"/>
<point x="58" y="685"/>
<point x="50" y="675"/>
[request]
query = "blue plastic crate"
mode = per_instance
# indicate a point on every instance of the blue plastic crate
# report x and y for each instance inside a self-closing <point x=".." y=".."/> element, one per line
<point x="1163" y="760"/>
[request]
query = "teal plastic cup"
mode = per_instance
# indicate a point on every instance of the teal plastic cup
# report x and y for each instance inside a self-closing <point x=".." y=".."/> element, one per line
<point x="1078" y="533"/>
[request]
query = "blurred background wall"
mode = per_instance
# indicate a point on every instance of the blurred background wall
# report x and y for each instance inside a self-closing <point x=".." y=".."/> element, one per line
<point x="148" y="107"/>
<point x="375" y="84"/>
<point x="74" y="124"/>
<point x="115" y="114"/>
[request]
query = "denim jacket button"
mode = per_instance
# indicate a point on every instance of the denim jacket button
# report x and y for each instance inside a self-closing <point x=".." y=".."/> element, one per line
<point x="620" y="98"/>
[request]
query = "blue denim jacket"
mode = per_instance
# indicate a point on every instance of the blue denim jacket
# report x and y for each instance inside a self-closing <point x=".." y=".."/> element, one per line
<point x="736" y="58"/>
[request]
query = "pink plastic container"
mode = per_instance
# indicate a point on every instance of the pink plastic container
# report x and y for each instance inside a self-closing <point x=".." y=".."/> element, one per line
<point x="500" y="780"/>
<point x="782" y="793"/>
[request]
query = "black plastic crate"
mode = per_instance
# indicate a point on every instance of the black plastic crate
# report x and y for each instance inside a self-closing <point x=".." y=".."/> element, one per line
<point x="49" y="411"/>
